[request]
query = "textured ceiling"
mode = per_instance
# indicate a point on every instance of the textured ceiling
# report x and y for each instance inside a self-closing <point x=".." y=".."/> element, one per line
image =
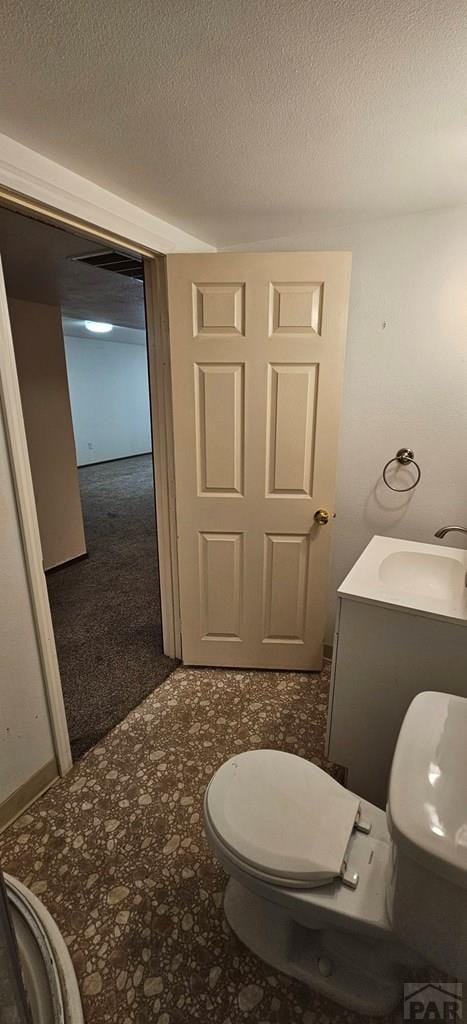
<point x="37" y="268"/>
<point x="245" y="119"/>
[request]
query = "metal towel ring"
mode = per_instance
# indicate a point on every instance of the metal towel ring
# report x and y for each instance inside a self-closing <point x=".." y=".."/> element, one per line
<point x="405" y="457"/>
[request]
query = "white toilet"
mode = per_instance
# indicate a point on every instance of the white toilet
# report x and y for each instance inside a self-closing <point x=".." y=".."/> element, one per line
<point x="326" y="887"/>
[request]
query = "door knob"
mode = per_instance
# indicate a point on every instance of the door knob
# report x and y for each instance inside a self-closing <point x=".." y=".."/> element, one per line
<point x="321" y="516"/>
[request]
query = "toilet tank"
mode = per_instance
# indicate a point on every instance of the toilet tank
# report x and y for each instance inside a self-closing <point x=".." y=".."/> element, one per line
<point x="427" y="820"/>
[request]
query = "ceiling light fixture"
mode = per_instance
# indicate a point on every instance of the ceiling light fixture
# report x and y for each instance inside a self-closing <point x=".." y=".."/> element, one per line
<point x="97" y="327"/>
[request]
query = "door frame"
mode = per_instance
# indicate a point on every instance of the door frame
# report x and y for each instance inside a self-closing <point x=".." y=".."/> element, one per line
<point x="162" y="429"/>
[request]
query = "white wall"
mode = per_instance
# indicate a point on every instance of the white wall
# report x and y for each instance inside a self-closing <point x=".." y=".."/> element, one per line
<point x="406" y="383"/>
<point x="109" y="392"/>
<point x="40" y="363"/>
<point x="25" y="737"/>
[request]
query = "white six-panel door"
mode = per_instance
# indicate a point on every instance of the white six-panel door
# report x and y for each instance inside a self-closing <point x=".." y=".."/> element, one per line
<point x="257" y="349"/>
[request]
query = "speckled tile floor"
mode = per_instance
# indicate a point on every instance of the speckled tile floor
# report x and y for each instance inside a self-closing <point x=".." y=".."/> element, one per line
<point x="117" y="853"/>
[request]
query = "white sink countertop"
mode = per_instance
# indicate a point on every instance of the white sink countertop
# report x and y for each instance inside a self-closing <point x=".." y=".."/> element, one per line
<point x="424" y="578"/>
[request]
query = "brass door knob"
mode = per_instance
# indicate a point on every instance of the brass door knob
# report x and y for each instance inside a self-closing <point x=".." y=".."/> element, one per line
<point x="321" y="516"/>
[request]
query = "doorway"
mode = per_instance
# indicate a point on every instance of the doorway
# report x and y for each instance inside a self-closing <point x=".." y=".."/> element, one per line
<point x="86" y="405"/>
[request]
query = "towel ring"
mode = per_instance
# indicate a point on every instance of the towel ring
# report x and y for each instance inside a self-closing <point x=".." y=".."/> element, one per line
<point x="405" y="457"/>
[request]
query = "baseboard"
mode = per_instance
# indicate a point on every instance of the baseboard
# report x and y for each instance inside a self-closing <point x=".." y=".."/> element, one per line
<point x="327" y="652"/>
<point x="121" y="458"/>
<point x="27" y="793"/>
<point x="64" y="565"/>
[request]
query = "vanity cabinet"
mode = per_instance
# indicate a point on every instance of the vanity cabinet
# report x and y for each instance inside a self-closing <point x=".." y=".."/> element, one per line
<point x="383" y="656"/>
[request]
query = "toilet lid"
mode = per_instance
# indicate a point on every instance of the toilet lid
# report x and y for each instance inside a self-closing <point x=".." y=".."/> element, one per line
<point x="282" y="815"/>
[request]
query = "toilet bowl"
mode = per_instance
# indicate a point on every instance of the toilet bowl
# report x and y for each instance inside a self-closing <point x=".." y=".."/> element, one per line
<point x="331" y="890"/>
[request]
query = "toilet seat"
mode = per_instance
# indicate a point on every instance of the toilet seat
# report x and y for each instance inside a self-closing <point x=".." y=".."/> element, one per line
<point x="281" y="817"/>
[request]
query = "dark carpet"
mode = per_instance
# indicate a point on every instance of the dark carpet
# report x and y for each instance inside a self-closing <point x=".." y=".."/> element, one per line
<point x="106" y="608"/>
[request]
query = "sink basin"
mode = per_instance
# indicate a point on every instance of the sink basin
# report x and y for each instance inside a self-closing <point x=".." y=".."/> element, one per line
<point x="425" y="578"/>
<point x="424" y="575"/>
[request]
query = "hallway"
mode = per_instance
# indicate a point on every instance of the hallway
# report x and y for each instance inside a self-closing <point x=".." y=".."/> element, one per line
<point x="106" y="608"/>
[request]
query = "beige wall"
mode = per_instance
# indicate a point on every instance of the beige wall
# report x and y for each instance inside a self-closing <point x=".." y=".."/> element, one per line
<point x="26" y="744"/>
<point x="41" y="366"/>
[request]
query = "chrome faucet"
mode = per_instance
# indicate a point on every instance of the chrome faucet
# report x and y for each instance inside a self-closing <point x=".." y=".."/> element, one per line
<point x="450" y="529"/>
